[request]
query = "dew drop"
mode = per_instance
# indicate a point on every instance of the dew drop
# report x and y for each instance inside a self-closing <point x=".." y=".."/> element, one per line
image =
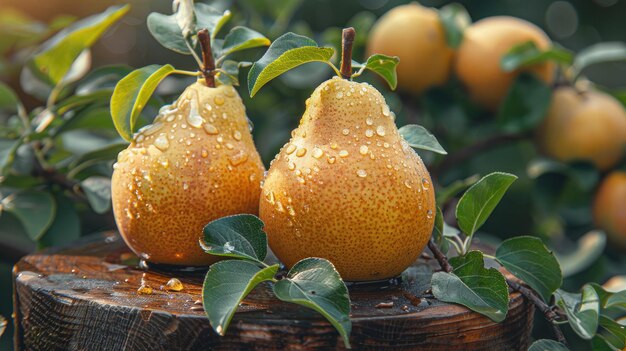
<point x="369" y="121"/>
<point x="333" y="145"/>
<point x="361" y="173"/>
<point x="291" y="166"/>
<point x="185" y="186"/>
<point x="429" y="214"/>
<point x="279" y="206"/>
<point x="317" y="152"/>
<point x="301" y="180"/>
<point x="425" y="184"/>
<point x="331" y="159"/>
<point x="174" y="285"/>
<point x="380" y="130"/>
<point x="406" y="183"/>
<point x="219" y="100"/>
<point x="301" y="152"/>
<point x="210" y="129"/>
<point x="204" y="153"/>
<point x="290" y="149"/>
<point x="363" y="150"/>
<point x="161" y="142"/>
<point x="346" y="131"/>
<point x="238" y="158"/>
<point x="369" y="133"/>
<point x="144" y="289"/>
<point x="339" y="94"/>
<point x="343" y="153"/>
<point x="237" y="135"/>
<point x="194" y="120"/>
<point x="386" y="110"/>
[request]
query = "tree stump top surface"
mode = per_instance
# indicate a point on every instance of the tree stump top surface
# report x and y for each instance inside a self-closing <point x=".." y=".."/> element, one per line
<point x="85" y="297"/>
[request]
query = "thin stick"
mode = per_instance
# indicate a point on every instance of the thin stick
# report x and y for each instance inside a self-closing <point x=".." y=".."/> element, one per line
<point x="548" y="313"/>
<point x="347" y="40"/>
<point x="440" y="256"/>
<point x="208" y="62"/>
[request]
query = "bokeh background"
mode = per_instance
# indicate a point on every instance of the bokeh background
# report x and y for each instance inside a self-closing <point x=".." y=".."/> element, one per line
<point x="276" y="110"/>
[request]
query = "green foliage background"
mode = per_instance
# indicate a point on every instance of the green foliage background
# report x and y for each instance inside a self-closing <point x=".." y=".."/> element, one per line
<point x="529" y="208"/>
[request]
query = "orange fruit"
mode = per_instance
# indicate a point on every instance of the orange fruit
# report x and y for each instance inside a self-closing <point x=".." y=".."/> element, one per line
<point x="415" y="34"/>
<point x="609" y="208"/>
<point x="477" y="62"/>
<point x="348" y="188"/>
<point x="588" y="126"/>
<point x="196" y="163"/>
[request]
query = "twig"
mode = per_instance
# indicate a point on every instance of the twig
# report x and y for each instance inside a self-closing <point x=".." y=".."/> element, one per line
<point x="548" y="313"/>
<point x="348" y="35"/>
<point x="440" y="256"/>
<point x="51" y="175"/>
<point x="469" y="151"/>
<point x="208" y="62"/>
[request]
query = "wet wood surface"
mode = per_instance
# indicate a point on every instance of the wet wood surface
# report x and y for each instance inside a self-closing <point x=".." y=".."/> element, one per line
<point x="84" y="297"/>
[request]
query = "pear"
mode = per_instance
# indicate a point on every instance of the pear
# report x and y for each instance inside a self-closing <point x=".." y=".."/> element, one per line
<point x="348" y="188"/>
<point x="195" y="163"/>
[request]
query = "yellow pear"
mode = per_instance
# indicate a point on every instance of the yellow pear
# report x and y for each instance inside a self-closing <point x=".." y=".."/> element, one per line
<point x="477" y="62"/>
<point x="415" y="34"/>
<point x="609" y="208"/>
<point x="195" y="163"/>
<point x="348" y="188"/>
<point x="588" y="126"/>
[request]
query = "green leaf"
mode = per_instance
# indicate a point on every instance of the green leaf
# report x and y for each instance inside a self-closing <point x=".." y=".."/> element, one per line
<point x="106" y="153"/>
<point x="582" y="310"/>
<point x="454" y="19"/>
<point x="527" y="258"/>
<point x="608" y="299"/>
<point x="35" y="209"/>
<point x="98" y="192"/>
<point x="446" y="194"/>
<point x="316" y="284"/>
<point x="598" y="53"/>
<point x="66" y="225"/>
<point x="615" y="334"/>
<point x="239" y="236"/>
<point x="164" y="28"/>
<point x="8" y="99"/>
<point x="589" y="248"/>
<point x="476" y="205"/>
<point x="288" y="51"/>
<point x="211" y="19"/>
<point x="547" y="345"/>
<point x="384" y="66"/>
<point x="482" y="290"/>
<point x="226" y="284"/>
<point x="57" y="55"/>
<point x="527" y="54"/>
<point x="525" y="105"/>
<point x="241" y="38"/>
<point x="438" y="232"/>
<point x="8" y="147"/>
<point x="228" y="73"/>
<point x="131" y="95"/>
<point x="420" y="138"/>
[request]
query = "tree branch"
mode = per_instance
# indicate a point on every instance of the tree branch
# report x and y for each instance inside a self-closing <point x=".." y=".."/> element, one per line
<point x="208" y="62"/>
<point x="439" y="256"/>
<point x="548" y="313"/>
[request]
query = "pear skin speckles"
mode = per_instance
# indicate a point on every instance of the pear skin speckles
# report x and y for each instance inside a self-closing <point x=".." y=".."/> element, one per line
<point x="194" y="167"/>
<point x="358" y="197"/>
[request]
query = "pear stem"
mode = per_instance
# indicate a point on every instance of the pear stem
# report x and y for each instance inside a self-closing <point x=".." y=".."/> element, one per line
<point x="347" y="40"/>
<point x="208" y="62"/>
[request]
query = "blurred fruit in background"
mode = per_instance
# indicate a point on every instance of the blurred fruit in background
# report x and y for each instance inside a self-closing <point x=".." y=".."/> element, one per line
<point x="584" y="125"/>
<point x="477" y="61"/>
<point x="415" y="34"/>
<point x="609" y="208"/>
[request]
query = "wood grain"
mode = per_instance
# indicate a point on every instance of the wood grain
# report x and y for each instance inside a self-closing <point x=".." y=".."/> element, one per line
<point x="84" y="297"/>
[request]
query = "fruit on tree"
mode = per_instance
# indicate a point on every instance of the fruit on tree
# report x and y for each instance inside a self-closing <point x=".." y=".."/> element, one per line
<point x="415" y="34"/>
<point x="609" y="208"/>
<point x="588" y="126"/>
<point x="348" y="188"/>
<point x="195" y="163"/>
<point x="477" y="62"/>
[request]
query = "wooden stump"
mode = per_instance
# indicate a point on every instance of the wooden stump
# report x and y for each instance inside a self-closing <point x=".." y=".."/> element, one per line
<point x="84" y="297"/>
